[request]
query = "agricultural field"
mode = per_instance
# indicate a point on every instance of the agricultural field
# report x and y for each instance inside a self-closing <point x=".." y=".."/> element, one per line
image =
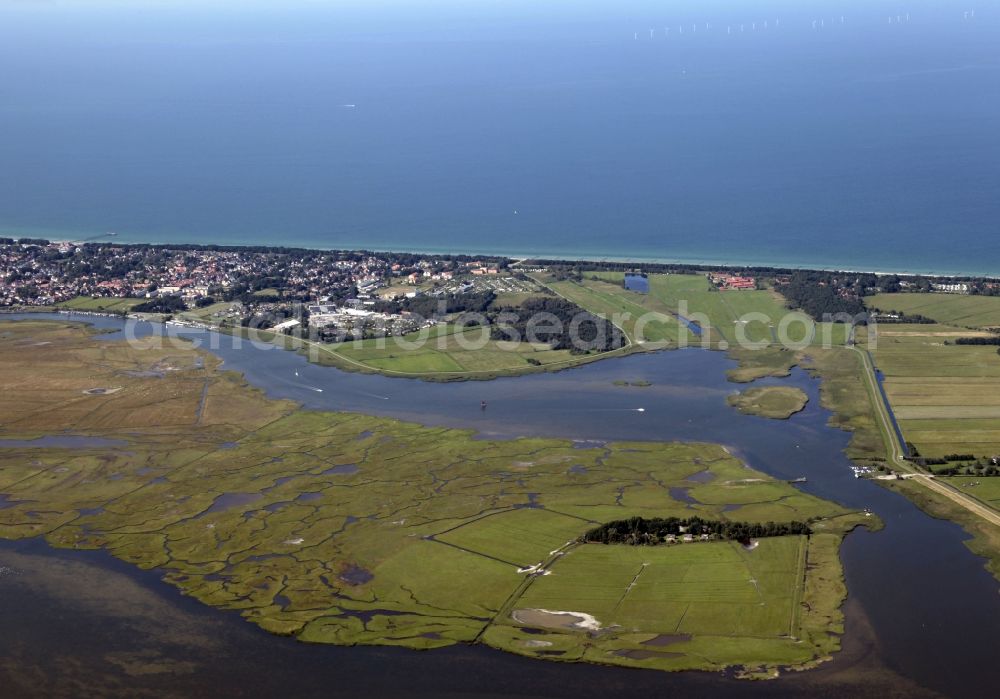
<point x="345" y="528"/>
<point x="108" y="305"/>
<point x="683" y="606"/>
<point x="984" y="489"/>
<point x="727" y="318"/>
<point x="946" y="397"/>
<point x="663" y="606"/>
<point x="719" y="588"/>
<point x="776" y="402"/>
<point x="947" y="309"/>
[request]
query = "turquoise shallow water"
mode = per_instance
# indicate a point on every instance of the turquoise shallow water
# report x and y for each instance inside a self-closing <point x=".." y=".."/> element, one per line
<point x="866" y="141"/>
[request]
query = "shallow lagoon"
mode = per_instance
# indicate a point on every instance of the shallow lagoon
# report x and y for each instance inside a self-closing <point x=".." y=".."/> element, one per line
<point x="910" y="585"/>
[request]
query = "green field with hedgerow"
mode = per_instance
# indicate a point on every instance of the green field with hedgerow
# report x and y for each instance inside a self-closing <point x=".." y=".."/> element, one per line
<point x="344" y="528"/>
<point x="946" y="397"/>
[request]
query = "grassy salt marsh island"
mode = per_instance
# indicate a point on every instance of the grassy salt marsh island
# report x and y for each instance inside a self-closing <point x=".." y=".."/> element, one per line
<point x="349" y="529"/>
<point x="776" y="402"/>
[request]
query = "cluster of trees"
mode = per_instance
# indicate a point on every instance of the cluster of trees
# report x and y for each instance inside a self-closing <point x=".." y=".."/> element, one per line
<point x="552" y="320"/>
<point x="820" y="294"/>
<point x="165" y="304"/>
<point x="995" y="340"/>
<point x="558" y="322"/>
<point x="273" y="314"/>
<point x="914" y="456"/>
<point x="246" y="290"/>
<point x="638" y="531"/>
<point x="435" y="306"/>
<point x="563" y="273"/>
<point x="980" y="467"/>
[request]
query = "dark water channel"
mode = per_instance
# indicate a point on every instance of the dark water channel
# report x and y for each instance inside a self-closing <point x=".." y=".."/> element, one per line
<point x="922" y="613"/>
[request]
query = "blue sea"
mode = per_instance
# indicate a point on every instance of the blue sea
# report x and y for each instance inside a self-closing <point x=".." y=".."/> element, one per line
<point x="859" y="134"/>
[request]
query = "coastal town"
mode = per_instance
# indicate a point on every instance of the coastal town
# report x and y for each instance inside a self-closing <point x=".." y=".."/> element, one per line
<point x="271" y="285"/>
<point x="40" y="273"/>
<point x="354" y="293"/>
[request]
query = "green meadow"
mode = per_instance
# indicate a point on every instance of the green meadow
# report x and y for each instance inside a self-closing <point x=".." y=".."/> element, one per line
<point x="446" y="351"/>
<point x="984" y="489"/>
<point x="344" y="528"/>
<point x="948" y="309"/>
<point x="101" y="304"/>
<point x="727" y="318"/>
<point x="946" y="397"/>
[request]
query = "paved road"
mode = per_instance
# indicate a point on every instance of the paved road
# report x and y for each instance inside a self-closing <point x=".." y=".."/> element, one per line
<point x="895" y="450"/>
<point x="966" y="501"/>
